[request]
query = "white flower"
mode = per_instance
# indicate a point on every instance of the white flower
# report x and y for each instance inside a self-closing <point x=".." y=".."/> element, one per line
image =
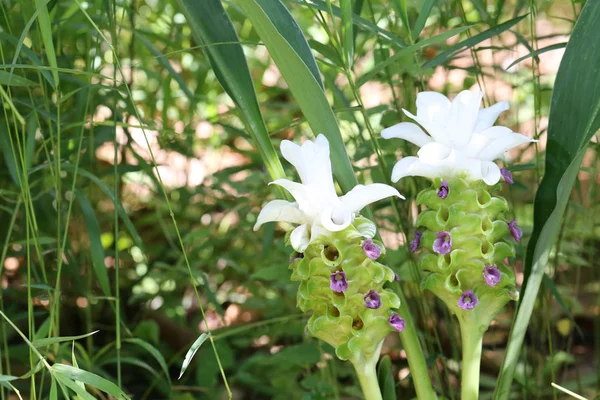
<point x="317" y="205"/>
<point x="461" y="138"/>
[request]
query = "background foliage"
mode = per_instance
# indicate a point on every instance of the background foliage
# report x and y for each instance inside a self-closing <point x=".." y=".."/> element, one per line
<point x="120" y="148"/>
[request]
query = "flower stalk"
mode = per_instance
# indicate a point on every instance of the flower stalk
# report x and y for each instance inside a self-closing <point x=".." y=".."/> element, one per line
<point x="472" y="342"/>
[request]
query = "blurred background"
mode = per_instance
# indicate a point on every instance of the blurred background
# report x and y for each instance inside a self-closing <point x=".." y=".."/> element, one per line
<point x="94" y="238"/>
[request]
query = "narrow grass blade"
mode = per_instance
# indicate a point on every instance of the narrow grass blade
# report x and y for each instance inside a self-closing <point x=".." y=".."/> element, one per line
<point x="10" y="79"/>
<point x="537" y="52"/>
<point x="97" y="251"/>
<point x="46" y="33"/>
<point x="63" y="380"/>
<point x="48" y="341"/>
<point x="89" y="378"/>
<point x="567" y="391"/>
<point x="422" y="19"/>
<point x="153" y="352"/>
<point x="448" y="54"/>
<point x="192" y="351"/>
<point x="305" y="89"/>
<point x="574" y="118"/>
<point x="211" y="25"/>
<point x="385" y="378"/>
<point x="409" y="50"/>
<point x="347" y="32"/>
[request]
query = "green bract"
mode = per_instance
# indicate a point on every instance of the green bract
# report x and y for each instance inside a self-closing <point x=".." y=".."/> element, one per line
<point x="341" y="318"/>
<point x="475" y="219"/>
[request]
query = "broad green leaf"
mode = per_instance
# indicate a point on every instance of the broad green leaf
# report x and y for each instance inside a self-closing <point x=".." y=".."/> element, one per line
<point x="66" y="381"/>
<point x="192" y="351"/>
<point x="448" y="54"/>
<point x="88" y="378"/>
<point x="48" y="341"/>
<point x="407" y="51"/>
<point x="385" y="378"/>
<point x="288" y="28"/>
<point x="153" y="352"/>
<point x="574" y="119"/>
<point x="97" y="251"/>
<point x="305" y="89"/>
<point x="211" y="25"/>
<point x="537" y="52"/>
<point x="347" y="32"/>
<point x="10" y="79"/>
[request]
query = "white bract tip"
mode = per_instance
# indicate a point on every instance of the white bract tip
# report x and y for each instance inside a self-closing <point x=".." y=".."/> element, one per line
<point x="461" y="138"/>
<point x="317" y="206"/>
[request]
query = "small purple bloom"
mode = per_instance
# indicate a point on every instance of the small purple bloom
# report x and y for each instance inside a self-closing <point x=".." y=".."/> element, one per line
<point x="468" y="300"/>
<point x="396" y="277"/>
<point x="397" y="322"/>
<point x="372" y="299"/>
<point x="372" y="250"/>
<point x="443" y="243"/>
<point x="443" y="190"/>
<point x="515" y="231"/>
<point x="507" y="175"/>
<point x="338" y="282"/>
<point x="492" y="275"/>
<point x="414" y="245"/>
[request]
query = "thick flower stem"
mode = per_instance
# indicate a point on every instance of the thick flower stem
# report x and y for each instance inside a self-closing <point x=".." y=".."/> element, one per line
<point x="472" y="341"/>
<point x="414" y="354"/>
<point x="367" y="376"/>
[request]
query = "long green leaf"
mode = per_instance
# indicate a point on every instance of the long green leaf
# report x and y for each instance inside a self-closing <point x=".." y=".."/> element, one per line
<point x="96" y="249"/>
<point x="385" y="377"/>
<point x="537" y="52"/>
<point x="66" y="381"/>
<point x="48" y="341"/>
<point x="347" y="34"/>
<point x="10" y="79"/>
<point x="211" y="25"/>
<point x="46" y="31"/>
<point x="305" y="89"/>
<point x="448" y="54"/>
<point x="422" y="19"/>
<point x="574" y="118"/>
<point x="192" y="351"/>
<point x="89" y="378"/>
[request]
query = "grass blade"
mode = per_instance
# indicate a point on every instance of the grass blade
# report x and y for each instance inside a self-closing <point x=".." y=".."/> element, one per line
<point x="574" y="118"/>
<point x="538" y="52"/>
<point x="347" y="34"/>
<point x="305" y="89"/>
<point x="211" y="25"/>
<point x="10" y="79"/>
<point x="52" y="340"/>
<point x="88" y="378"/>
<point x="422" y="19"/>
<point x="448" y="54"/>
<point x="192" y="351"/>
<point x="46" y="33"/>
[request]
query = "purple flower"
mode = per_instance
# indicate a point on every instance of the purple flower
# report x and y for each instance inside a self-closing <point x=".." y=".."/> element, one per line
<point x="468" y="300"/>
<point x="338" y="282"/>
<point x="492" y="275"/>
<point x="506" y="174"/>
<point x="414" y="245"/>
<point x="397" y="322"/>
<point x="372" y="299"/>
<point x="443" y="243"/>
<point x="443" y="190"/>
<point x="396" y="277"/>
<point x="372" y="250"/>
<point x="515" y="231"/>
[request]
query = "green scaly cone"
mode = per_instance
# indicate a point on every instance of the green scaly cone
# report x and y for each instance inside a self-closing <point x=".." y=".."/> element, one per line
<point x="342" y="319"/>
<point x="476" y="220"/>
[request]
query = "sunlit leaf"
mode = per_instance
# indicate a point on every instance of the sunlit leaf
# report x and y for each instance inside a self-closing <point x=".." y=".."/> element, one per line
<point x="191" y="352"/>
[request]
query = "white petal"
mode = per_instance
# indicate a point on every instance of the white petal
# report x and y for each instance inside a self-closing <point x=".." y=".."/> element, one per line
<point x="434" y="153"/>
<point x="407" y="131"/>
<point x="312" y="162"/>
<point x="478" y="142"/>
<point x="412" y="166"/>
<point x="300" y="238"/>
<point x="487" y="116"/>
<point x="298" y="191"/>
<point x="361" y="195"/>
<point x="462" y="116"/>
<point x="490" y="173"/>
<point x="432" y="107"/>
<point x="498" y="147"/>
<point x="279" y="210"/>
<point x="335" y="220"/>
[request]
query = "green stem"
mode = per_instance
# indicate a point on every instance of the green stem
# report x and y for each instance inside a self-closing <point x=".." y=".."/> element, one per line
<point x="367" y="376"/>
<point x="472" y="341"/>
<point x="414" y="352"/>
